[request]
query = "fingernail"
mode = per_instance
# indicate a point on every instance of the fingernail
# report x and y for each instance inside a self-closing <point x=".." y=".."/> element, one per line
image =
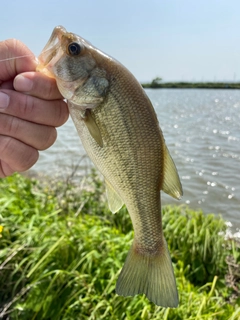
<point x="4" y="100"/>
<point x="22" y="83"/>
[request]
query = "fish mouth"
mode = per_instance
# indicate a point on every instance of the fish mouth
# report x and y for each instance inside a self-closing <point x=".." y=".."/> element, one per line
<point x="51" y="52"/>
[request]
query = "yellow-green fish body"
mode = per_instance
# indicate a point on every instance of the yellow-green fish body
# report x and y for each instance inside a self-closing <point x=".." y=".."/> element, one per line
<point x="120" y="132"/>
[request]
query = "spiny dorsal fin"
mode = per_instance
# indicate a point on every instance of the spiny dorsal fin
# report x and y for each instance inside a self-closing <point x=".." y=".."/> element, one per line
<point x="115" y="203"/>
<point x="171" y="182"/>
<point x="92" y="127"/>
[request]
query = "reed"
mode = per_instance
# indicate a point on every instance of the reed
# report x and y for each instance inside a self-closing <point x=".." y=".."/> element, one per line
<point x="62" y="250"/>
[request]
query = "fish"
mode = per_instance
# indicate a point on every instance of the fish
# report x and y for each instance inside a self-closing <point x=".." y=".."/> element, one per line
<point x="120" y="132"/>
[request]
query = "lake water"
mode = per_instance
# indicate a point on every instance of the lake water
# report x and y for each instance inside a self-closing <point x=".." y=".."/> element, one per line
<point x="202" y="131"/>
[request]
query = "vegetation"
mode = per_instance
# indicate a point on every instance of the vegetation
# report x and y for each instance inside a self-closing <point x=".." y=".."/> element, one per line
<point x="157" y="84"/>
<point x="61" y="251"/>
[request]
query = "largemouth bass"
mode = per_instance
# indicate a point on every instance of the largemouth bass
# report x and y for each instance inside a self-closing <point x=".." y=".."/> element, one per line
<point x="120" y="132"/>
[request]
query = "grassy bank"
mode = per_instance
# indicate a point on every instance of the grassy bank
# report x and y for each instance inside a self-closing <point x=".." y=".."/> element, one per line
<point x="61" y="251"/>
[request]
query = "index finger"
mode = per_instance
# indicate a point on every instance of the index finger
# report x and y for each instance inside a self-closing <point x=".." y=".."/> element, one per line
<point x="38" y="85"/>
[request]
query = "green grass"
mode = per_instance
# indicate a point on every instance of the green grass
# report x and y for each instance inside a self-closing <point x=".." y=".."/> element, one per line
<point x="61" y="251"/>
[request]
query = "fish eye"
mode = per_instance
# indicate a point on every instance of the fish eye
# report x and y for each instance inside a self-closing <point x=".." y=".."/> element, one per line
<point x="74" y="49"/>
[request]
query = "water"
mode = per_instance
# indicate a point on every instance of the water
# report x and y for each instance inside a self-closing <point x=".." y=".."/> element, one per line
<point x="202" y="131"/>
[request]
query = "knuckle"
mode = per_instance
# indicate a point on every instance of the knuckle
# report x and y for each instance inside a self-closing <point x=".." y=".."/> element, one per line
<point x="27" y="106"/>
<point x="45" y="87"/>
<point x="49" y="90"/>
<point x="5" y="145"/>
<point x="12" y="126"/>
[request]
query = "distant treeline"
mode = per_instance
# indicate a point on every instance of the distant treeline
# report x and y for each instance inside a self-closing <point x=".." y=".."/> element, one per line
<point x="157" y="83"/>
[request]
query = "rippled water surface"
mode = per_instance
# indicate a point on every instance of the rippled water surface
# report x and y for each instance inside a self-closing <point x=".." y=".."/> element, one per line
<point x="202" y="131"/>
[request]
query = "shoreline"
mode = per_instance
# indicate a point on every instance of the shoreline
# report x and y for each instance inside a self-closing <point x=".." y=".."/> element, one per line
<point x="191" y="85"/>
<point x="232" y="231"/>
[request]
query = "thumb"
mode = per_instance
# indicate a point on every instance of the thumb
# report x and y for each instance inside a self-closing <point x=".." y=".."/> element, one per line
<point x="15" y="58"/>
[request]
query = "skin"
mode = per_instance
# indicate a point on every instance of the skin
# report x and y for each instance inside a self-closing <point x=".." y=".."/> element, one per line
<point x="30" y="110"/>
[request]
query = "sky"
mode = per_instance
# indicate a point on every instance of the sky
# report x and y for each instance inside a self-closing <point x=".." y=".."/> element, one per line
<point x="177" y="40"/>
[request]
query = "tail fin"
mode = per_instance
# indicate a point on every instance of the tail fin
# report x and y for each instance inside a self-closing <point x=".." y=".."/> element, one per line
<point x="149" y="274"/>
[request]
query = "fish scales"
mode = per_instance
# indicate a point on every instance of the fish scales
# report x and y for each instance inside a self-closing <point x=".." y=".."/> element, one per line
<point x="121" y="134"/>
<point x="142" y="199"/>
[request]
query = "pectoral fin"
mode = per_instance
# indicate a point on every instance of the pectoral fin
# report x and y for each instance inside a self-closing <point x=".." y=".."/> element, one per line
<point x="92" y="127"/>
<point x="171" y="182"/>
<point x="115" y="203"/>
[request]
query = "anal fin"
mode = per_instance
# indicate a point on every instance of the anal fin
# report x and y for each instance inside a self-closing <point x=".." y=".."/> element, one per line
<point x="115" y="202"/>
<point x="171" y="182"/>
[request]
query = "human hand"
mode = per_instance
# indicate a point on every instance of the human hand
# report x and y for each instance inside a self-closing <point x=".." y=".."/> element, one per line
<point x="30" y="109"/>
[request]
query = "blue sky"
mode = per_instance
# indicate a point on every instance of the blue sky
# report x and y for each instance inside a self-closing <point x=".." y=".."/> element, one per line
<point x="174" y="39"/>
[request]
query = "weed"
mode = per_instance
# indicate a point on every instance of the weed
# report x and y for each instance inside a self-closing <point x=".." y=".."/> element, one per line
<point x="62" y="251"/>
